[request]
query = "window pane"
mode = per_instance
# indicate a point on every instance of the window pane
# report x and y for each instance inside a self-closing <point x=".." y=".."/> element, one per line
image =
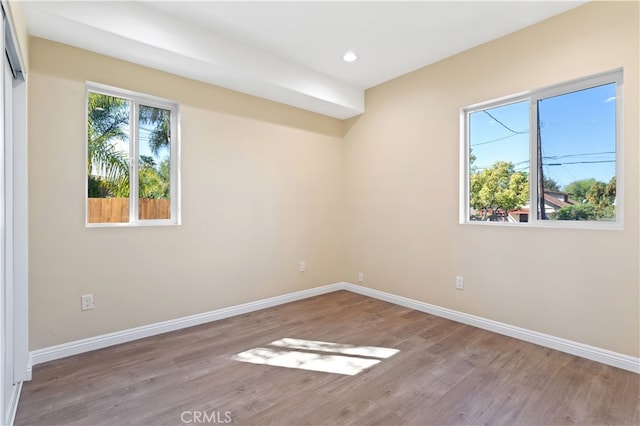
<point x="108" y="158"/>
<point x="499" y="163"/>
<point x="577" y="145"/>
<point x="154" y="172"/>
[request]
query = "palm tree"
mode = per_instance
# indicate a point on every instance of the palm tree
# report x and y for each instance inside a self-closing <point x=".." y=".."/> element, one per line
<point x="154" y="181"/>
<point x="154" y="171"/>
<point x="160" y="119"/>
<point x="107" y="166"/>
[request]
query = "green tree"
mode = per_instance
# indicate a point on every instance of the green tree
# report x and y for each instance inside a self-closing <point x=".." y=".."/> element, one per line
<point x="107" y="166"/>
<point x="602" y="196"/>
<point x="577" y="212"/>
<point x="472" y="162"/>
<point x="154" y="181"/>
<point x="160" y="122"/>
<point x="499" y="187"/>
<point x="596" y="195"/>
<point x="596" y="200"/>
<point x="578" y="189"/>
<point x="611" y="187"/>
<point x="550" y="184"/>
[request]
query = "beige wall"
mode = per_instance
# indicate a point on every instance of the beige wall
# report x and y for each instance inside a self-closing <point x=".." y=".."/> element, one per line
<point x="265" y="186"/>
<point x="401" y="167"/>
<point x="261" y="190"/>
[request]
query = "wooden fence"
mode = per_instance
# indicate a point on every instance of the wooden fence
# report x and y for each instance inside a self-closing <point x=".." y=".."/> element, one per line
<point x="116" y="210"/>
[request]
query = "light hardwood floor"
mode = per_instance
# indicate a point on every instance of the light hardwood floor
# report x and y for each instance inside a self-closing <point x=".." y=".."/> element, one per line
<point x="445" y="373"/>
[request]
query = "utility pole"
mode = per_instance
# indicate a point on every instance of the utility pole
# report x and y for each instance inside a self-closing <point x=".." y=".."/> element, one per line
<point x="542" y="214"/>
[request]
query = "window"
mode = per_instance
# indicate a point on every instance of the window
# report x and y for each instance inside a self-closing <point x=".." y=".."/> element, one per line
<point x="132" y="158"/>
<point x="551" y="157"/>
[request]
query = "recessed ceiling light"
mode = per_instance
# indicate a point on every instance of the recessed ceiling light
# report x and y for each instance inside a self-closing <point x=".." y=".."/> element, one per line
<point x="350" y="57"/>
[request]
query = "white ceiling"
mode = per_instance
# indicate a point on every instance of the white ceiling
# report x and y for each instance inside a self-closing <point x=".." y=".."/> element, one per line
<point x="289" y="52"/>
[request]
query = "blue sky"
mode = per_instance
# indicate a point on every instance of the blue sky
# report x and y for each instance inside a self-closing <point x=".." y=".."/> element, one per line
<point x="577" y="134"/>
<point x="144" y="134"/>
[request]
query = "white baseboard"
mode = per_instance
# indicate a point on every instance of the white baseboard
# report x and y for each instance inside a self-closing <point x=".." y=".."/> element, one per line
<point x="604" y="356"/>
<point x="12" y="406"/>
<point x="98" y="342"/>
<point x="579" y="349"/>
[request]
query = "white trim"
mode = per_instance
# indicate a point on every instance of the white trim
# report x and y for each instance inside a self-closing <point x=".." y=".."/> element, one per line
<point x="615" y="76"/>
<point x="136" y="99"/>
<point x="12" y="407"/>
<point x="98" y="342"/>
<point x="604" y="356"/>
<point x="463" y="185"/>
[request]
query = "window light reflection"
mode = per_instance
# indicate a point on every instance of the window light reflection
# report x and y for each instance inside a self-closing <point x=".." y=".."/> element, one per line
<point x="303" y="354"/>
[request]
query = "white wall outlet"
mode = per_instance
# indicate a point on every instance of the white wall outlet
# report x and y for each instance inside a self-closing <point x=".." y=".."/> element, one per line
<point x="303" y="266"/>
<point x="360" y="277"/>
<point x="86" y="302"/>
<point x="459" y="283"/>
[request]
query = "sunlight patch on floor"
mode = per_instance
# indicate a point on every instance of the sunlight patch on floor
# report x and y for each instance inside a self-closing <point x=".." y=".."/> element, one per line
<point x="302" y="354"/>
<point x="314" y="345"/>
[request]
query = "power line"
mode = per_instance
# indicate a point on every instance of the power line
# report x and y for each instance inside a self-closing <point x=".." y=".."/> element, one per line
<point x="555" y="157"/>
<point x="498" y="140"/>
<point x="518" y="163"/>
<point x="504" y="125"/>
<point x="580" y="162"/>
<point x="575" y="122"/>
<point x="523" y="162"/>
<point x="567" y="171"/>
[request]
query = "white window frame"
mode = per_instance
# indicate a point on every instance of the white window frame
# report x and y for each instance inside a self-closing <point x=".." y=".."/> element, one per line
<point x="614" y="76"/>
<point x="136" y="99"/>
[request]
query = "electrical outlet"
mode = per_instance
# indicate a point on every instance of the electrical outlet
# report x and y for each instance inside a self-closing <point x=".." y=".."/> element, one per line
<point x="303" y="266"/>
<point x="86" y="302"/>
<point x="460" y="283"/>
<point x="360" y="277"/>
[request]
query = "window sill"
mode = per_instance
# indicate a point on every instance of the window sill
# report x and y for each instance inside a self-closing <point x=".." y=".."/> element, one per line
<point x="554" y="224"/>
<point x="142" y="224"/>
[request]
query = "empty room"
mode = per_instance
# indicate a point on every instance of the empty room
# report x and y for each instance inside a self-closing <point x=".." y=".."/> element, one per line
<point x="320" y="213"/>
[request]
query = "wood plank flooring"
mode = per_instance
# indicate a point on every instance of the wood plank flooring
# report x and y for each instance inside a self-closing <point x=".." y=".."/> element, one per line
<point x="446" y="373"/>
